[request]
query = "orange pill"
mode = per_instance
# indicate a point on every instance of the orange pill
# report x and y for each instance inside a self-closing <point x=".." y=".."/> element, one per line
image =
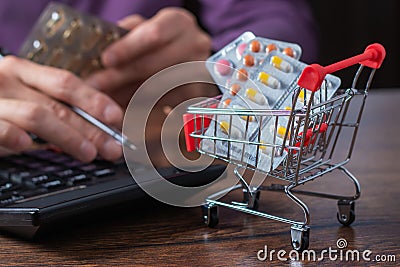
<point x="270" y="48"/>
<point x="234" y="89"/>
<point x="242" y="75"/>
<point x="288" y="51"/>
<point x="226" y="103"/>
<point x="248" y="60"/>
<point x="255" y="46"/>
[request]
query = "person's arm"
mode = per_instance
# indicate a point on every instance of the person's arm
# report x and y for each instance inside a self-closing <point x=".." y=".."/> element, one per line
<point x="286" y="20"/>
<point x="30" y="96"/>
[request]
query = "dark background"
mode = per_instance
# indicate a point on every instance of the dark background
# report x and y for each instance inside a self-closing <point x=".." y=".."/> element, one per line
<point x="347" y="27"/>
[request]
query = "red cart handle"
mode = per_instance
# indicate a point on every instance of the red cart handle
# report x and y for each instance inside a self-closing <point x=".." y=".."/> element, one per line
<point x="313" y="75"/>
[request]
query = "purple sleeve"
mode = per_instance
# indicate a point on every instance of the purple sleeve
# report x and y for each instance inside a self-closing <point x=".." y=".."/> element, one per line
<point x="286" y="20"/>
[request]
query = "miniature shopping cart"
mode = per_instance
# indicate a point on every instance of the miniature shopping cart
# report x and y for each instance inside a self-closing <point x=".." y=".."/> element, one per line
<point x="309" y="143"/>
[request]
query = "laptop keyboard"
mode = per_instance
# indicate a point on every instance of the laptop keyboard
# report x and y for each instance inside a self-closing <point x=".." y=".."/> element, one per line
<point x="40" y="172"/>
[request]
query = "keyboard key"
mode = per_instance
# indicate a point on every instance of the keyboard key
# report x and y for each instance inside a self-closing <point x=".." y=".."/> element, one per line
<point x="17" y="177"/>
<point x="9" y="198"/>
<point x="74" y="164"/>
<point x="37" y="179"/>
<point x="90" y="167"/>
<point x="66" y="173"/>
<point x="52" y="184"/>
<point x="51" y="168"/>
<point x="103" y="173"/>
<point x="6" y="187"/>
<point x="78" y="179"/>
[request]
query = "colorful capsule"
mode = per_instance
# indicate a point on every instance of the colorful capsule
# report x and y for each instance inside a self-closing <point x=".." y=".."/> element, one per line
<point x="301" y="96"/>
<point x="242" y="75"/>
<point x="226" y="102"/>
<point x="240" y="50"/>
<point x="234" y="132"/>
<point x="281" y="131"/>
<point x="288" y="51"/>
<point x="255" y="46"/>
<point x="234" y="89"/>
<point x="268" y="80"/>
<point x="265" y="149"/>
<point x="255" y="96"/>
<point x="223" y="67"/>
<point x="270" y="48"/>
<point x="244" y="117"/>
<point x="281" y="64"/>
<point x="248" y="60"/>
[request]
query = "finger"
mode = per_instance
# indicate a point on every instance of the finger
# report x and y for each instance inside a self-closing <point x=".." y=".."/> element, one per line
<point x="164" y="27"/>
<point x="131" y="21"/>
<point x="13" y="138"/>
<point x="184" y="49"/>
<point x="65" y="86"/>
<point x="105" y="145"/>
<point x="37" y="119"/>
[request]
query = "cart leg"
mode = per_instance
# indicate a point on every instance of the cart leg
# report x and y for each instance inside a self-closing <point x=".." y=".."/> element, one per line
<point x="252" y="203"/>
<point x="346" y="212"/>
<point x="210" y="214"/>
<point x="355" y="181"/>
<point x="303" y="206"/>
<point x="250" y="196"/>
<point x="300" y="237"/>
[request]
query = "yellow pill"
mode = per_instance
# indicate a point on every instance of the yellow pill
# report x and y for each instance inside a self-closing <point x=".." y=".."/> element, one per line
<point x="288" y="108"/>
<point x="301" y="96"/>
<point x="265" y="149"/>
<point x="224" y="125"/>
<point x="268" y="80"/>
<point x="243" y="117"/>
<point x="234" y="132"/>
<point x="281" y="64"/>
<point x="281" y="131"/>
<point x="255" y="96"/>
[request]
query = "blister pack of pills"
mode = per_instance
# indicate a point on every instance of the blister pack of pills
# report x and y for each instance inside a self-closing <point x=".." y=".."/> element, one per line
<point x="65" y="38"/>
<point x="258" y="74"/>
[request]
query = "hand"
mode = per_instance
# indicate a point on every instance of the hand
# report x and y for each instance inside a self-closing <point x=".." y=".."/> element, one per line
<point x="28" y="103"/>
<point x="172" y="36"/>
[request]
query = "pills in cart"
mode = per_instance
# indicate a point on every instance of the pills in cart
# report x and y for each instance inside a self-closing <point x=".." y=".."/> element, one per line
<point x="230" y="131"/>
<point x="268" y="80"/>
<point x="242" y="75"/>
<point x="288" y="51"/>
<point x="234" y="89"/>
<point x="256" y="96"/>
<point x="223" y="67"/>
<point x="248" y="60"/>
<point x="255" y="46"/>
<point x="281" y="64"/>
<point x="244" y="117"/>
<point x="270" y="48"/>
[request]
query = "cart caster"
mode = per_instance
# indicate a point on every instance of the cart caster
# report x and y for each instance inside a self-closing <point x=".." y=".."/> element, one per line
<point x="256" y="199"/>
<point x="300" y="237"/>
<point x="346" y="214"/>
<point x="210" y="214"/>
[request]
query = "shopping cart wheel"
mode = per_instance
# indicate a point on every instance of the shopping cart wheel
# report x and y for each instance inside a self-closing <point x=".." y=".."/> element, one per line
<point x="300" y="237"/>
<point x="256" y="200"/>
<point x="346" y="214"/>
<point x="210" y="214"/>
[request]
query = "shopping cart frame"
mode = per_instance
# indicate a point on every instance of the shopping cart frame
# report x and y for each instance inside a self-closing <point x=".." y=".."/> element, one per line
<point x="311" y="136"/>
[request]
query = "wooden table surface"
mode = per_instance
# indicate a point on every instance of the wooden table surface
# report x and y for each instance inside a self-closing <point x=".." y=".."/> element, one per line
<point x="154" y="234"/>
